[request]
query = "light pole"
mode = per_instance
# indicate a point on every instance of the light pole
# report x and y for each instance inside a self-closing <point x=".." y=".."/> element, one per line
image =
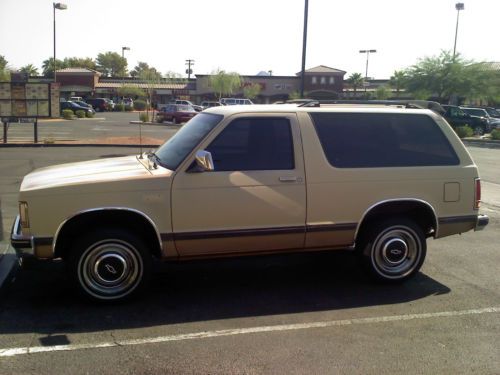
<point x="458" y="7"/>
<point x="189" y="63"/>
<point x="55" y="6"/>
<point x="367" y="51"/>
<point x="304" y="45"/>
<point x="123" y="51"/>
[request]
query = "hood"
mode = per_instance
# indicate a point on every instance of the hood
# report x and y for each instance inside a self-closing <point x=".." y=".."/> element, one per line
<point x="88" y="172"/>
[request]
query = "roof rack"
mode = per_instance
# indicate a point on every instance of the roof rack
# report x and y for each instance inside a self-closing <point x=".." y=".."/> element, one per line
<point x="416" y="104"/>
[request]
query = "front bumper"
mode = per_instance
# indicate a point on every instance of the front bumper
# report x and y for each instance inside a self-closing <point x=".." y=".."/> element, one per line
<point x="23" y="244"/>
<point x="481" y="222"/>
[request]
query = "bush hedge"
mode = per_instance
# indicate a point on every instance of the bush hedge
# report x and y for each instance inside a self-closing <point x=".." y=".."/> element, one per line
<point x="89" y="114"/>
<point x="144" y="117"/>
<point x="119" y="107"/>
<point x="80" y="113"/>
<point x="129" y="108"/>
<point x="495" y="134"/>
<point x="464" y="131"/>
<point x="139" y="105"/>
<point x="67" y="114"/>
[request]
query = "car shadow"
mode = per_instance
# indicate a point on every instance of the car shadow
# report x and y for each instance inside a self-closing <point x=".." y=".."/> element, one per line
<point x="41" y="300"/>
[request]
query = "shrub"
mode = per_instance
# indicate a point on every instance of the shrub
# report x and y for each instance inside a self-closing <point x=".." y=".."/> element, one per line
<point x="80" y="113"/>
<point x="119" y="107"/>
<point x="144" y="117"/>
<point x="495" y="134"/>
<point x="129" y="108"/>
<point x="140" y="105"/>
<point x="67" y="114"/>
<point x="89" y="114"/>
<point x="464" y="131"/>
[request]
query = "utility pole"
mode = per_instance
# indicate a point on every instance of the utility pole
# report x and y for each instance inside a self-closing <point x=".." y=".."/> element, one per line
<point x="458" y="7"/>
<point x="189" y="62"/>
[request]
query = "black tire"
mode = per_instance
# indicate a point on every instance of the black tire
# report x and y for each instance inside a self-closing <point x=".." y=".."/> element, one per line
<point x="110" y="265"/>
<point x="393" y="250"/>
<point x="478" y="130"/>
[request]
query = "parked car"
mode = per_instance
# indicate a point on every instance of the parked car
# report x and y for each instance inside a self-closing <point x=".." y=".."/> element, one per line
<point x="100" y="104"/>
<point x="197" y="108"/>
<point x="232" y="182"/>
<point x="75" y="107"/>
<point x="483" y="113"/>
<point x="492" y="112"/>
<point x="456" y="116"/>
<point x="83" y="104"/>
<point x="235" y="101"/>
<point x="111" y="104"/>
<point x="128" y="102"/>
<point x="176" y="113"/>
<point x="207" y="104"/>
<point x="76" y="99"/>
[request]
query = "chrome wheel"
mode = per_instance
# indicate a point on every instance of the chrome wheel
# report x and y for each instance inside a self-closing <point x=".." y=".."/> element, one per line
<point x="478" y="130"/>
<point x="394" y="250"/>
<point x="110" y="269"/>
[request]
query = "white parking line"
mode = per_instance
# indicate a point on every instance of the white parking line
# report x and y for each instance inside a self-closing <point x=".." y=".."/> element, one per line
<point x="10" y="352"/>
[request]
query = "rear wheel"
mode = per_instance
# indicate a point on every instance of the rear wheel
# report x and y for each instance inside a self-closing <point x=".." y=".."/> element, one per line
<point x="478" y="130"/>
<point x="110" y="265"/>
<point x="393" y="250"/>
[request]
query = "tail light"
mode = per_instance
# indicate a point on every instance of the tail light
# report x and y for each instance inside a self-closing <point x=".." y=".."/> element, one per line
<point x="477" y="193"/>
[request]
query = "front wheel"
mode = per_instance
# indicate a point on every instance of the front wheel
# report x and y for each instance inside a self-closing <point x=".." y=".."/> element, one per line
<point x="110" y="265"/>
<point x="393" y="250"/>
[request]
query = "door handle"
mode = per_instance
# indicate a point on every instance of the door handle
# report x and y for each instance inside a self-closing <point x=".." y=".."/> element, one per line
<point x="288" y="179"/>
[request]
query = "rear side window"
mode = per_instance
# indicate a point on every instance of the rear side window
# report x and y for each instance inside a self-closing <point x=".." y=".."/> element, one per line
<point x="364" y="140"/>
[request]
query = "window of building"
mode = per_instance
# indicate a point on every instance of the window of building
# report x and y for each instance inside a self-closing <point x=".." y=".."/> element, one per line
<point x="314" y="80"/>
<point x="254" y="144"/>
<point x="323" y="80"/>
<point x="368" y="140"/>
<point x="332" y="80"/>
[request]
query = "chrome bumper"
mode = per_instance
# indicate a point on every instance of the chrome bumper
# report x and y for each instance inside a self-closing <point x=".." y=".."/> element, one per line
<point x="481" y="222"/>
<point x="23" y="244"/>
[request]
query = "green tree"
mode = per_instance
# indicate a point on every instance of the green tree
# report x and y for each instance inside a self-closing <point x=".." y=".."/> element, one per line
<point x="224" y="83"/>
<point x="252" y="91"/>
<point x="382" y="93"/>
<point x="111" y="64"/>
<point x="355" y="80"/>
<point x="80" y="62"/>
<point x="4" y="70"/>
<point x="143" y="69"/>
<point x="30" y="69"/>
<point x="130" y="91"/>
<point x="444" y="77"/>
<point x="398" y="80"/>
<point x="48" y="66"/>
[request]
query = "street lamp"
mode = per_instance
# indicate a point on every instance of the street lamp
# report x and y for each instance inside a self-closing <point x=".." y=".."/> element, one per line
<point x="367" y="51"/>
<point x="304" y="45"/>
<point x="123" y="51"/>
<point x="55" y="6"/>
<point x="458" y="7"/>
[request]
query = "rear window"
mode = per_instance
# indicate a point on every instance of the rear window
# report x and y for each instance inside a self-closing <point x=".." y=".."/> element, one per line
<point x="370" y="140"/>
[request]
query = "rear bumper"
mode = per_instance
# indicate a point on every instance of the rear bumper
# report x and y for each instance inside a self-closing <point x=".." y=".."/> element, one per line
<point x="23" y="244"/>
<point x="481" y="222"/>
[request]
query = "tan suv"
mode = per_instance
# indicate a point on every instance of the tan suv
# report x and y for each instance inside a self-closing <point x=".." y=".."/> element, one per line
<point x="257" y="180"/>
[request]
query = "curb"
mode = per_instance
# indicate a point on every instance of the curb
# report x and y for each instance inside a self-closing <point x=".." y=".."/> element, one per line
<point x="481" y="143"/>
<point x="155" y="123"/>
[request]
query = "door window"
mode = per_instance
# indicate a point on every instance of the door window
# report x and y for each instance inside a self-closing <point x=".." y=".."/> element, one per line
<point x="249" y="144"/>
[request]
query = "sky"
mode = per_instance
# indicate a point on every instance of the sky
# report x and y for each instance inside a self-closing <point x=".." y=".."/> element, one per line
<point x="251" y="36"/>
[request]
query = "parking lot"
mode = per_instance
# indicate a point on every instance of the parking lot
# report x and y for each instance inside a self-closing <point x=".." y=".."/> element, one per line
<point x="314" y="313"/>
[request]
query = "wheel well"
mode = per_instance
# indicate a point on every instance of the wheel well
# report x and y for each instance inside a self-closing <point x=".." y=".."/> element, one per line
<point x="121" y="219"/>
<point x="421" y="213"/>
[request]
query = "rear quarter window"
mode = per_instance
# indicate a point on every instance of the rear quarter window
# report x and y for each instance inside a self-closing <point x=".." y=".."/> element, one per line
<point x="370" y="140"/>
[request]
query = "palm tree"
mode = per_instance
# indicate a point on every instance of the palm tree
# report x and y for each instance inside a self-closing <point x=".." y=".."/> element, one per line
<point x="30" y="69"/>
<point x="355" y="80"/>
<point x="398" y="80"/>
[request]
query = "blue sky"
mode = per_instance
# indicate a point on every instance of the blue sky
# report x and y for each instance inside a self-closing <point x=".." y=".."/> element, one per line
<point x="250" y="36"/>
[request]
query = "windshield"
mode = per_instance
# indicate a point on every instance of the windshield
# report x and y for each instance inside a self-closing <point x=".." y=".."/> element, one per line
<point x="175" y="150"/>
<point x="493" y="112"/>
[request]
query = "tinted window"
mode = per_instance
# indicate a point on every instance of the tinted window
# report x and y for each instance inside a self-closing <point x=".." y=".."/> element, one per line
<point x="361" y="140"/>
<point x="254" y="144"/>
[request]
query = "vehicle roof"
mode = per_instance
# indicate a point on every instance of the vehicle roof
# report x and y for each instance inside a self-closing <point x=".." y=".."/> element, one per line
<point x="287" y="108"/>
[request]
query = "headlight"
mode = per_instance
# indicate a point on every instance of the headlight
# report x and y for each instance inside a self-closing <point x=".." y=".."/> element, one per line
<point x="23" y="213"/>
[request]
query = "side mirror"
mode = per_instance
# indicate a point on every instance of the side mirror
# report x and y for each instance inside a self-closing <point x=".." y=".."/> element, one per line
<point x="203" y="162"/>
